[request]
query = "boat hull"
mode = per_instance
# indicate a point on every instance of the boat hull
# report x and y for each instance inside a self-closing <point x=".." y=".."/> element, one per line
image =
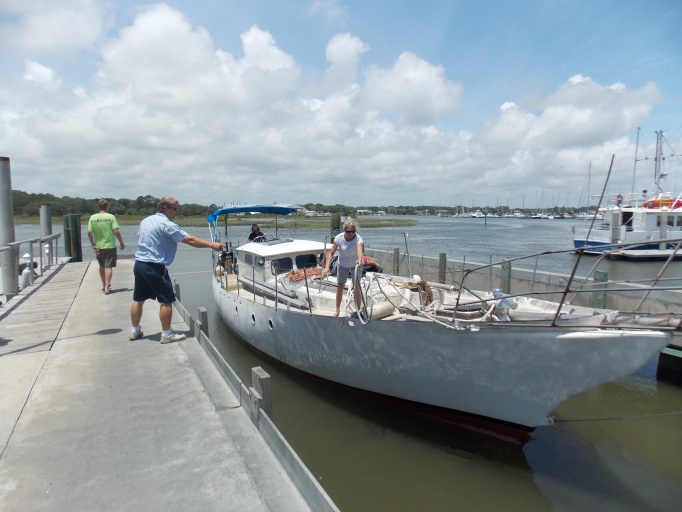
<point x="514" y="374"/>
<point x="601" y="247"/>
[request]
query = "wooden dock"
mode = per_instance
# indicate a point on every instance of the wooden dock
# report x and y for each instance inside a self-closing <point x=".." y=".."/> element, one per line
<point x="645" y="255"/>
<point x="90" y="420"/>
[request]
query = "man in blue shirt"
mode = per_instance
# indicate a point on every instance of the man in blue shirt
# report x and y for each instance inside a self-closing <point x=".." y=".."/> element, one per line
<point x="157" y="243"/>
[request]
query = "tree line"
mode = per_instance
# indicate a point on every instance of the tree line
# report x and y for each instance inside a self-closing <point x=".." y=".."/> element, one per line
<point x="28" y="205"/>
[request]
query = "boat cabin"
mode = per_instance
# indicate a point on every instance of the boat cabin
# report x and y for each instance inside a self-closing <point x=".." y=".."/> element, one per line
<point x="644" y="220"/>
<point x="266" y="261"/>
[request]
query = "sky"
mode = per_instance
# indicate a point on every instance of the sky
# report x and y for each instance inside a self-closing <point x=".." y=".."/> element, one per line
<point x="502" y="103"/>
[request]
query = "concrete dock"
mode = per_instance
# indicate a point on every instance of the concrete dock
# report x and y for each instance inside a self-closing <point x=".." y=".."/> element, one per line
<point x="92" y="421"/>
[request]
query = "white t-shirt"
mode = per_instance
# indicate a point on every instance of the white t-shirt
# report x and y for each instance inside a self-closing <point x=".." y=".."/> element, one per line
<point x="348" y="250"/>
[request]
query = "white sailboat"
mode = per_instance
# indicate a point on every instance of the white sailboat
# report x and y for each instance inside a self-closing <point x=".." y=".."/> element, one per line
<point x="509" y="359"/>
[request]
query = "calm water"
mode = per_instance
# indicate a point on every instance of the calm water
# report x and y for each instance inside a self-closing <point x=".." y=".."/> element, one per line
<point x="617" y="447"/>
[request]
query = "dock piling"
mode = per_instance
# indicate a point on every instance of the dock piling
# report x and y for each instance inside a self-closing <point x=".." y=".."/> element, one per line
<point x="505" y="276"/>
<point x="263" y="387"/>
<point x="442" y="261"/>
<point x="72" y="237"/>
<point x="9" y="256"/>
<point x="599" y="296"/>
<point x="203" y="320"/>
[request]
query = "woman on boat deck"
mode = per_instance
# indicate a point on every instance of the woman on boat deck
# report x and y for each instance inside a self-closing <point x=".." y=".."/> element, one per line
<point x="350" y="247"/>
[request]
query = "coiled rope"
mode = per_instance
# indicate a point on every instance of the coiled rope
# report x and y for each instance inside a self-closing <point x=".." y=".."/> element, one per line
<point x="299" y="274"/>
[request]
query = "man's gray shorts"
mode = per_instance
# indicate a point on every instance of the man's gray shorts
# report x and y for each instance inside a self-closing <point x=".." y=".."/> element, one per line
<point x="106" y="258"/>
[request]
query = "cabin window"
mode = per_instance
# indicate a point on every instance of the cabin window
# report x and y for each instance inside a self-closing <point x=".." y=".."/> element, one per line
<point x="248" y="258"/>
<point x="281" y="265"/>
<point x="306" y="261"/>
<point x="627" y="220"/>
<point x="670" y="221"/>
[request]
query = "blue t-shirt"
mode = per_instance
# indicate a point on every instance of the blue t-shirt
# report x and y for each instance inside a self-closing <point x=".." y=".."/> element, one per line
<point x="158" y="239"/>
<point x="348" y="251"/>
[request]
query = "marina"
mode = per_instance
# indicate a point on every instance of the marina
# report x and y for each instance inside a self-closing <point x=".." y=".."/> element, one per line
<point x="604" y="444"/>
<point x="513" y="343"/>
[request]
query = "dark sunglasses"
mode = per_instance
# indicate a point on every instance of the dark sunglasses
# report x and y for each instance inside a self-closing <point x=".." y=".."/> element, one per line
<point x="347" y="231"/>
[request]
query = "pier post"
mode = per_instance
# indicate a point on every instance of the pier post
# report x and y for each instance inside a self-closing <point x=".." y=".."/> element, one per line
<point x="505" y="275"/>
<point x="442" y="262"/>
<point x="396" y="261"/>
<point x="45" y="230"/>
<point x="8" y="258"/>
<point x="335" y="223"/>
<point x="664" y="228"/>
<point x="45" y="219"/>
<point x="176" y="290"/>
<point x="203" y="320"/>
<point x="263" y="387"/>
<point x="72" y="237"/>
<point x="615" y="227"/>
<point x="599" y="295"/>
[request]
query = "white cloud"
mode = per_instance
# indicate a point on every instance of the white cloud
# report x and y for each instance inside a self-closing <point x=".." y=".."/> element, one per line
<point x="331" y="10"/>
<point x="413" y="87"/>
<point x="171" y="113"/>
<point x="49" y="25"/>
<point x="42" y="75"/>
<point x="343" y="53"/>
<point x="582" y="110"/>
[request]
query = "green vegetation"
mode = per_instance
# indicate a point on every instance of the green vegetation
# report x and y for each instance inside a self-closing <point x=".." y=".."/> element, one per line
<point x="28" y="205"/>
<point x="131" y="211"/>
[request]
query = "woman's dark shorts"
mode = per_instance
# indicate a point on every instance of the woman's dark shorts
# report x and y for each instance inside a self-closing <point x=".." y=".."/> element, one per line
<point x="152" y="282"/>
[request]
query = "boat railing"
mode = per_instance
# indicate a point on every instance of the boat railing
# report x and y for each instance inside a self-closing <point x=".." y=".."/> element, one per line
<point x="394" y="255"/>
<point x="532" y="276"/>
<point x="593" y="283"/>
<point x="631" y="199"/>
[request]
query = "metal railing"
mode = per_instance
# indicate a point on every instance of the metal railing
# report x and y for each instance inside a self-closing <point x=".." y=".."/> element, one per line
<point x="46" y="258"/>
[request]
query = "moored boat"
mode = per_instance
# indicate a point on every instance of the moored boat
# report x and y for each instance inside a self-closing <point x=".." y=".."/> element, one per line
<point x="507" y="358"/>
<point x="651" y="224"/>
<point x="636" y="222"/>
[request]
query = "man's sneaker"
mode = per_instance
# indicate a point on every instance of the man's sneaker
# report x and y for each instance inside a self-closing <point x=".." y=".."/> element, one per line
<point x="135" y="334"/>
<point x="173" y="337"/>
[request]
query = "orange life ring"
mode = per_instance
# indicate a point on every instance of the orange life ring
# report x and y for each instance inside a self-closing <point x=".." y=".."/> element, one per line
<point x="659" y="202"/>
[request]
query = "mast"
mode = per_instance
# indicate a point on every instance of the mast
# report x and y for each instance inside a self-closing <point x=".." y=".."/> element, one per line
<point x="657" y="162"/>
<point x="634" y="170"/>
